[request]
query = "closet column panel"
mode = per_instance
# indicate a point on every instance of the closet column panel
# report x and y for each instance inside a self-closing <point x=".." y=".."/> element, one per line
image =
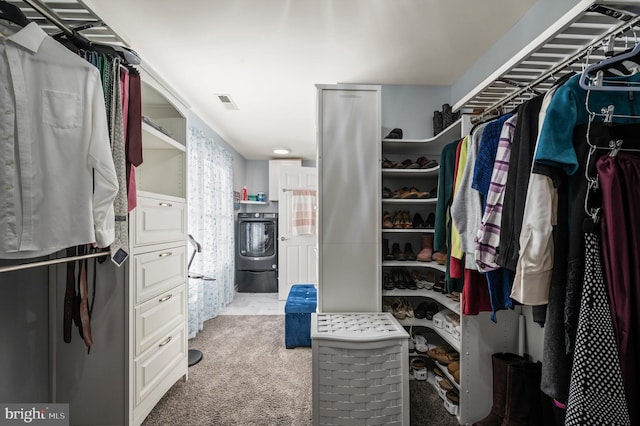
<point x="349" y="193"/>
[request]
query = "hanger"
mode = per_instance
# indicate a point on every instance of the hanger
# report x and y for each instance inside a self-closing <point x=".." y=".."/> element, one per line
<point x="127" y="55"/>
<point x="592" y="77"/>
<point x="12" y="13"/>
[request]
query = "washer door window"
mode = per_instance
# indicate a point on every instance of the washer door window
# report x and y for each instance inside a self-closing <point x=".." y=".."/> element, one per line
<point x="257" y="239"/>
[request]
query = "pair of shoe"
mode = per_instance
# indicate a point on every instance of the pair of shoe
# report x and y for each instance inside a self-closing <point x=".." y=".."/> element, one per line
<point x="397" y="254"/>
<point x="424" y="279"/>
<point x="394" y="134"/>
<point x="443" y="119"/>
<point x="426" y="251"/>
<point x="444" y="355"/>
<point x="402" y="309"/>
<point x="402" y="220"/>
<point x="399" y="278"/>
<point x="454" y="295"/>
<point x="445" y="384"/>
<point x="426" y="310"/>
<point x="454" y="369"/>
<point x="440" y="257"/>
<point x="419" y="223"/>
<point x="439" y="286"/>
<point x="387" y="281"/>
<point x="405" y="193"/>
<point x="420" y="163"/>
<point x="425" y="163"/>
<point x="421" y="343"/>
<point x="419" y="369"/>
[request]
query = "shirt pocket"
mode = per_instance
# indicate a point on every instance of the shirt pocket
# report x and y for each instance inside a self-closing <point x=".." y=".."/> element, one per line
<point x="61" y="109"/>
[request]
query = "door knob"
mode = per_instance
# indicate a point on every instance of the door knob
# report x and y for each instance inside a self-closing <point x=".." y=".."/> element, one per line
<point x="283" y="238"/>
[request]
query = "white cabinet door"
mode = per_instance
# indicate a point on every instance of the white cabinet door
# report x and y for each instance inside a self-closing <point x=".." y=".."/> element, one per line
<point x="349" y="150"/>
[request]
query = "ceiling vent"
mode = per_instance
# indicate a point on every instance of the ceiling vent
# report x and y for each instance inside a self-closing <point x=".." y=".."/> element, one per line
<point x="227" y="102"/>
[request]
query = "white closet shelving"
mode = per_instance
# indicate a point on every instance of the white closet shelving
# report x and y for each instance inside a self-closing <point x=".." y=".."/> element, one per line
<point x="158" y="269"/>
<point x="397" y="150"/>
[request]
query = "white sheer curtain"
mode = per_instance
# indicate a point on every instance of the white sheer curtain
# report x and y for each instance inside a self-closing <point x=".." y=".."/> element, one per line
<point x="211" y="222"/>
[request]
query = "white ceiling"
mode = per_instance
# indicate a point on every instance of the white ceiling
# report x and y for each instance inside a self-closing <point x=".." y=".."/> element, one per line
<point x="268" y="54"/>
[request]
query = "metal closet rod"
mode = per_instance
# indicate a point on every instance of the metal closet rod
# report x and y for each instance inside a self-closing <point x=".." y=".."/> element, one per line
<point x="47" y="13"/>
<point x="31" y="265"/>
<point x="619" y="29"/>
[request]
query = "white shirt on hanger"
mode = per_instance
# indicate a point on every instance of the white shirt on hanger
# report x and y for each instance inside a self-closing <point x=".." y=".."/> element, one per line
<point x="57" y="178"/>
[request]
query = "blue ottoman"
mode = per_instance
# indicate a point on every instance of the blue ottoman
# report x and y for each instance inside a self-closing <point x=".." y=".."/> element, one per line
<point x="301" y="302"/>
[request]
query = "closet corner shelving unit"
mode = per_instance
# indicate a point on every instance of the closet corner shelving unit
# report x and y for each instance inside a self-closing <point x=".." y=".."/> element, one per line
<point x="479" y="337"/>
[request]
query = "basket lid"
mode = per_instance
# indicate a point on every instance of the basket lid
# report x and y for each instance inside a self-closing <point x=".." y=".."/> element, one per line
<point x="365" y="327"/>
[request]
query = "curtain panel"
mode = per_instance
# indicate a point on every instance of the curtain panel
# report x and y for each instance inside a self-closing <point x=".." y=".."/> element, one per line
<point x="211" y="223"/>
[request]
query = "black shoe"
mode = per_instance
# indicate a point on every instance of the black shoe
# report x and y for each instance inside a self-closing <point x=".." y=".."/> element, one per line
<point x="417" y="221"/>
<point x="394" y="134"/>
<point x="408" y="252"/>
<point x="430" y="223"/>
<point x="437" y="123"/>
<point x="385" y="250"/>
<point x="396" y="254"/>
<point x="411" y="283"/>
<point x="399" y="280"/>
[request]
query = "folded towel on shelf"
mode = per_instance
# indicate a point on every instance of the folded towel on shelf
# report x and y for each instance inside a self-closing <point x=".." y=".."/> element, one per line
<point x="304" y="212"/>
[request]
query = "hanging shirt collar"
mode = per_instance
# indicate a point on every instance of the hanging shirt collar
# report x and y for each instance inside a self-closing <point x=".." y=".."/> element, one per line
<point x="29" y="37"/>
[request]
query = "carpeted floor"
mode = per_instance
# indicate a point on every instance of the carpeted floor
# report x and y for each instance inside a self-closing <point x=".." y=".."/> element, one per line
<point x="248" y="378"/>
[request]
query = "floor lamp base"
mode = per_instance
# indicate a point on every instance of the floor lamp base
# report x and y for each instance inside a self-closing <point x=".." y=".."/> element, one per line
<point x="195" y="356"/>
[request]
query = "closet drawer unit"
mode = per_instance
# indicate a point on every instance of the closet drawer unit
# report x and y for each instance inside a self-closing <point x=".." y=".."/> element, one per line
<point x="155" y="369"/>
<point x="159" y="271"/>
<point x="159" y="220"/>
<point x="155" y="318"/>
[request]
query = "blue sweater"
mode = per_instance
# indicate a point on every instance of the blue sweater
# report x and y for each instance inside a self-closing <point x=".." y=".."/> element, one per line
<point x="568" y="109"/>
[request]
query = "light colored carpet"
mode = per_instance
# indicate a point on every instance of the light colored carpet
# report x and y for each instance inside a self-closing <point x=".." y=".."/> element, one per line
<point x="248" y="378"/>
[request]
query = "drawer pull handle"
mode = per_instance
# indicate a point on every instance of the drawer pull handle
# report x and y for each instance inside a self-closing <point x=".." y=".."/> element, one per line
<point x="165" y="342"/>
<point x="165" y="204"/>
<point x="165" y="254"/>
<point x="164" y="299"/>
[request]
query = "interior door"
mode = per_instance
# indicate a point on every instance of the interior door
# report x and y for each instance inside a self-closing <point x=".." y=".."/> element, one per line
<point x="297" y="254"/>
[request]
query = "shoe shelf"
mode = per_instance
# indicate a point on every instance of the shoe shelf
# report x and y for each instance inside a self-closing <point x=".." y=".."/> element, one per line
<point x="455" y="344"/>
<point x="447" y="135"/>
<point x="435" y="295"/>
<point x="415" y="263"/>
<point x="411" y="172"/>
<point x="408" y="231"/>
<point x="410" y="201"/>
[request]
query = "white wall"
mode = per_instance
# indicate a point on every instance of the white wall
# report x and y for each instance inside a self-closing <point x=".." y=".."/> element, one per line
<point x="411" y="108"/>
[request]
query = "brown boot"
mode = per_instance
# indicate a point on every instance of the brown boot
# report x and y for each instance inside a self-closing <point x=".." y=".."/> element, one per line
<point x="500" y="363"/>
<point x="523" y="407"/>
<point x="427" y="248"/>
